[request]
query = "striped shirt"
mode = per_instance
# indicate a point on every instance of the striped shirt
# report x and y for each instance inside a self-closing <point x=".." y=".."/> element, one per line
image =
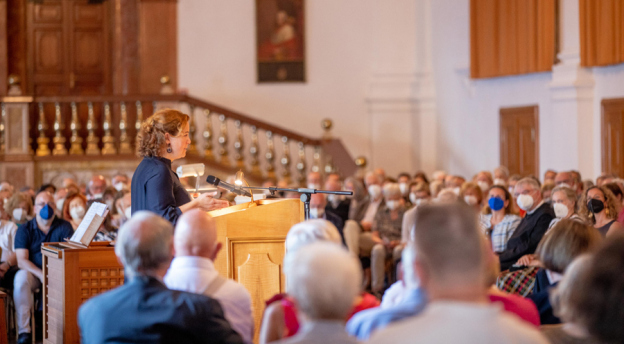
<point x="501" y="233"/>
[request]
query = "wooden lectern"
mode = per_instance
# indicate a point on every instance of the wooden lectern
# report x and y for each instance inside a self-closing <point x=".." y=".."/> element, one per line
<point x="252" y="235"/>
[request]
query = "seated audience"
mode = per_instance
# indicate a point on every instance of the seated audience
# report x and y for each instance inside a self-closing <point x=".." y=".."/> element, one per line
<point x="280" y="319"/>
<point x="501" y="175"/>
<point x="193" y="270"/>
<point x="511" y="184"/>
<point x="19" y="208"/>
<point x="471" y="194"/>
<point x="323" y="309"/>
<point x="143" y="310"/>
<point x="314" y="180"/>
<point x="404" y="180"/>
<point x="547" y="191"/>
<point x="318" y="204"/>
<point x="45" y="227"/>
<point x="123" y="209"/>
<point x="121" y="182"/>
<point x="578" y="181"/>
<point x="600" y="208"/>
<point x="95" y="188"/>
<point x="532" y="227"/>
<point x="48" y="188"/>
<point x="435" y="188"/>
<point x="563" y="243"/>
<point x="550" y="175"/>
<point x="338" y="205"/>
<point x="8" y="260"/>
<point x="74" y="209"/>
<point x="409" y="302"/>
<point x="498" y="218"/>
<point x="420" y="177"/>
<point x="419" y="195"/>
<point x="451" y="268"/>
<point x="600" y="294"/>
<point x="6" y="190"/>
<point x="484" y="180"/>
<point x="564" y="204"/>
<point x="358" y="235"/>
<point x="438" y="176"/>
<point x="571" y="331"/>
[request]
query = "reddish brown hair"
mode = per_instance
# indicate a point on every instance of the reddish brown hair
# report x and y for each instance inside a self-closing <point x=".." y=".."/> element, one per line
<point x="151" y="138"/>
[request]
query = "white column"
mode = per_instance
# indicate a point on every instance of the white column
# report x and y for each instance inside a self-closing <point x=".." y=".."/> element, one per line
<point x="572" y="90"/>
<point x="400" y="95"/>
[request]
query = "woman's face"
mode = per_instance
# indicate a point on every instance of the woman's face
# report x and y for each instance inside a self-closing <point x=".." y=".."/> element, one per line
<point x="597" y="194"/>
<point x="77" y="202"/>
<point x="472" y="192"/>
<point x="560" y="197"/>
<point x="496" y="192"/>
<point x="180" y="143"/>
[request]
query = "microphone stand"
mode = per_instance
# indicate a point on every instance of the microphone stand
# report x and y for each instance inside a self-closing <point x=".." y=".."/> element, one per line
<point x="306" y="194"/>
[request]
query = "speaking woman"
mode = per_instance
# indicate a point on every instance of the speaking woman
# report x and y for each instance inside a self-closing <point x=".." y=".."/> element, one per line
<point x="163" y="138"/>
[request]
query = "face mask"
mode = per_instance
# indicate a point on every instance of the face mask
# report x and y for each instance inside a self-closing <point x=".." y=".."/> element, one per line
<point x="457" y="190"/>
<point x="335" y="199"/>
<point x="510" y="189"/>
<point x="564" y="185"/>
<point x="119" y="186"/>
<point x="483" y="186"/>
<point x="97" y="196"/>
<point x="374" y="191"/>
<point x="17" y="214"/>
<point x="314" y="186"/>
<point x="561" y="210"/>
<point x="404" y="188"/>
<point x="316" y="213"/>
<point x="47" y="212"/>
<point x="413" y="198"/>
<point x="77" y="213"/>
<point x="470" y="200"/>
<point x="128" y="212"/>
<point x="60" y="203"/>
<point x="496" y="203"/>
<point x="392" y="205"/>
<point x="595" y="206"/>
<point x="421" y="201"/>
<point x="499" y="182"/>
<point x="525" y="202"/>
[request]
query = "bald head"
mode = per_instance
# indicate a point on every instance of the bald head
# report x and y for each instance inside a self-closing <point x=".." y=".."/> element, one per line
<point x="196" y="235"/>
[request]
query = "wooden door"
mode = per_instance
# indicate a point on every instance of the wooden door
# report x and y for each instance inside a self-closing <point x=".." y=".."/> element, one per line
<point x="519" y="143"/>
<point x="612" y="136"/>
<point x="68" y="47"/>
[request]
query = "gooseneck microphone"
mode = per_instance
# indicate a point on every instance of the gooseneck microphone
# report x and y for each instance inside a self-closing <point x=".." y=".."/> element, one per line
<point x="223" y="185"/>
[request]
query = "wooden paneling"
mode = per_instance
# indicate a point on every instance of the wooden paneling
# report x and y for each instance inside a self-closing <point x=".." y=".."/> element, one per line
<point x="613" y="136"/>
<point x="511" y="37"/>
<point x="602" y="32"/>
<point x="519" y="144"/>
<point x="4" y="53"/>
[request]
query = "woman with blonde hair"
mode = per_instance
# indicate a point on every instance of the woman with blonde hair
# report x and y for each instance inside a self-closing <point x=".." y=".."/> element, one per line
<point x="163" y="138"/>
<point x="600" y="209"/>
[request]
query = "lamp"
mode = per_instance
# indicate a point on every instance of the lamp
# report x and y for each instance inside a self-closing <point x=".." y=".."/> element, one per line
<point x="240" y="179"/>
<point x="193" y="170"/>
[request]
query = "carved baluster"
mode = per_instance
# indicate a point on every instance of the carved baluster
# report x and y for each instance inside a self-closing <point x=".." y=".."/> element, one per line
<point x="2" y="129"/>
<point x="42" y="140"/>
<point x="208" y="154"/>
<point x="76" y="140"/>
<point x="270" y="155"/>
<point x="139" y="119"/>
<point x="316" y="164"/>
<point x="253" y="152"/>
<point x="59" y="126"/>
<point x="238" y="146"/>
<point x="124" y="142"/>
<point x="192" y="148"/>
<point x="92" y="140"/>
<point x="301" y="164"/>
<point x="223" y="140"/>
<point x="329" y="166"/>
<point x="108" y="139"/>
<point x="285" y="158"/>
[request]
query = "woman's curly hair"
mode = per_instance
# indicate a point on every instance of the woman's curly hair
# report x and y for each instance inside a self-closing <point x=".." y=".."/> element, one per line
<point x="612" y="205"/>
<point x="151" y="139"/>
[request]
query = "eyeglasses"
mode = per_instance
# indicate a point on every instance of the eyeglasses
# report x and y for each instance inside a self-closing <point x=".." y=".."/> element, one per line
<point x="44" y="204"/>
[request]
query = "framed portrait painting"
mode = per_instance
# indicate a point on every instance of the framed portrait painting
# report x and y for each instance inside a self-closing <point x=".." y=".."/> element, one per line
<point x="280" y="40"/>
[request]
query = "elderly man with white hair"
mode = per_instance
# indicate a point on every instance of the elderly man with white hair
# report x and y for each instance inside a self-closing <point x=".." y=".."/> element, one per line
<point x="532" y="227"/>
<point x="143" y="310"/>
<point x="193" y="270"/>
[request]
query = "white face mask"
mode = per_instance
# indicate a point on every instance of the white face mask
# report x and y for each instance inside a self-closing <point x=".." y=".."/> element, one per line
<point x="128" y="212"/>
<point x="525" y="202"/>
<point x="316" y="213"/>
<point x="18" y="214"/>
<point x="413" y="198"/>
<point x="97" y="196"/>
<point x="77" y="213"/>
<point x="335" y="199"/>
<point x="119" y="186"/>
<point x="561" y="210"/>
<point x="499" y="182"/>
<point x="470" y="200"/>
<point x="564" y="185"/>
<point x="421" y="201"/>
<point x="484" y="186"/>
<point x="457" y="190"/>
<point x="314" y="186"/>
<point x="392" y="205"/>
<point x="59" y="204"/>
<point x="404" y="188"/>
<point x="374" y="191"/>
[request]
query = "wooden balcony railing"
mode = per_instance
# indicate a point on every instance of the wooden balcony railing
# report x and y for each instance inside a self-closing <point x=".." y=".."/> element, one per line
<point x="55" y="128"/>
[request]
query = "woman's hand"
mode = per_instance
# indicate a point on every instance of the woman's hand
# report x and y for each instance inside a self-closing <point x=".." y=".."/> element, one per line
<point x="525" y="260"/>
<point x="205" y="202"/>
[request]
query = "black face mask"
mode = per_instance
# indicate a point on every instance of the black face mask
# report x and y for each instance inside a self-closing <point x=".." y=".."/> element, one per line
<point x="595" y="206"/>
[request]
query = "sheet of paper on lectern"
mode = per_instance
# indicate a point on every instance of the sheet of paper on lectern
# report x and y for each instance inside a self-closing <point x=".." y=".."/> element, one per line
<point x="90" y="224"/>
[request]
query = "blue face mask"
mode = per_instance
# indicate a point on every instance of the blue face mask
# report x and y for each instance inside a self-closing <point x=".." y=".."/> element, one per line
<point x="496" y="203"/>
<point x="46" y="212"/>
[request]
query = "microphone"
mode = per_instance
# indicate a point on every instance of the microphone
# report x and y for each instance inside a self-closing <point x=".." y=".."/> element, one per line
<point x="231" y="188"/>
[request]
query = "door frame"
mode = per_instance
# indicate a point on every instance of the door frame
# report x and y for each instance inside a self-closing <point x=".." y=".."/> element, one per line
<point x="603" y="130"/>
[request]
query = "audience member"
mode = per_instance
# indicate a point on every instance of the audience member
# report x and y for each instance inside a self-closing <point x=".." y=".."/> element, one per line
<point x="404" y="180"/>
<point x="19" y="207"/>
<point x="600" y="208"/>
<point x="74" y="209"/>
<point x="600" y="294"/>
<point x="95" y="188"/>
<point x="566" y="241"/>
<point x="358" y="237"/>
<point x="8" y="260"/>
<point x="471" y="194"/>
<point x="408" y="302"/>
<point x="498" y="218"/>
<point x="549" y="176"/>
<point x="484" y="180"/>
<point x="451" y="268"/>
<point x="571" y="331"/>
<point x="578" y="181"/>
<point x="6" y="190"/>
<point x="532" y="227"/>
<point x="143" y="309"/>
<point x="59" y="200"/>
<point x="420" y="177"/>
<point x="447" y="196"/>
<point x="48" y="188"/>
<point x="193" y="270"/>
<point x="324" y="309"/>
<point x="438" y="176"/>
<point x="501" y="175"/>
<point x="419" y="195"/>
<point x="318" y="204"/>
<point x="546" y="191"/>
<point x="122" y="208"/>
<point x="564" y="202"/>
<point x="45" y="227"/>
<point x="435" y="187"/>
<point x="314" y="180"/>
<point x="121" y="182"/>
<point x="511" y="184"/>
<point x="338" y="205"/>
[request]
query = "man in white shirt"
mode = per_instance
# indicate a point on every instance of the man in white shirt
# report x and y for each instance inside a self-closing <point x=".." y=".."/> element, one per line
<point x="451" y="267"/>
<point x="193" y="270"/>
